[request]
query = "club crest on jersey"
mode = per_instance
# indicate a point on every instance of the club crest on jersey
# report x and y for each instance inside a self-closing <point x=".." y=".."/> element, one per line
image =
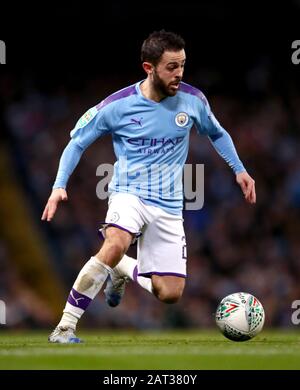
<point x="181" y="119"/>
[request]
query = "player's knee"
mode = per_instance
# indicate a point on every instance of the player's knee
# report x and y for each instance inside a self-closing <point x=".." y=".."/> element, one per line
<point x="168" y="289"/>
<point x="118" y="240"/>
<point x="117" y="248"/>
<point x="113" y="249"/>
<point x="168" y="295"/>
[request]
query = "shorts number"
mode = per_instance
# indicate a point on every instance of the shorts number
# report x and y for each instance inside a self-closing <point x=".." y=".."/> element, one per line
<point x="184" y="251"/>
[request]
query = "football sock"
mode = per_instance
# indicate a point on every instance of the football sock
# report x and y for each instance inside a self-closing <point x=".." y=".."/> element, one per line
<point x="87" y="285"/>
<point x="128" y="266"/>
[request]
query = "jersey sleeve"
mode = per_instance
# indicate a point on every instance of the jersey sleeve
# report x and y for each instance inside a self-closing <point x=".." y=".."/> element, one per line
<point x="89" y="127"/>
<point x="68" y="162"/>
<point x="207" y="124"/>
<point x="205" y="121"/>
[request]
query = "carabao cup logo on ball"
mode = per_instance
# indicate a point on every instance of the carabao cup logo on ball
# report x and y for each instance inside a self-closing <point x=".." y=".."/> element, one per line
<point x="240" y="316"/>
<point x="182" y="119"/>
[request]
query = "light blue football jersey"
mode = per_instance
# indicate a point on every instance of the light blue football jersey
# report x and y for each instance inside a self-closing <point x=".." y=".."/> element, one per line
<point x="151" y="141"/>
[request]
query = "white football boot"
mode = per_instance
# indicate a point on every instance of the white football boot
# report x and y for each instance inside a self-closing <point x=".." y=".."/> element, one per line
<point x="63" y="335"/>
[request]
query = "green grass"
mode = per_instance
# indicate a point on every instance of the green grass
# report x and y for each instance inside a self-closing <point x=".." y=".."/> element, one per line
<point x="151" y="350"/>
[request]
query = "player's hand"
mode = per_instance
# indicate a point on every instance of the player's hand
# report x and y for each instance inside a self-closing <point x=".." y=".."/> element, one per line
<point x="58" y="195"/>
<point x="247" y="185"/>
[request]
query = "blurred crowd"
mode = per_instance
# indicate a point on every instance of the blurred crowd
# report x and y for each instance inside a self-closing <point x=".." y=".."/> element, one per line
<point x="232" y="246"/>
<point x="23" y="305"/>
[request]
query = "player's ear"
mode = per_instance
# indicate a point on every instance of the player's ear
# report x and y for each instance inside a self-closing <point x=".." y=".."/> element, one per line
<point x="148" y="67"/>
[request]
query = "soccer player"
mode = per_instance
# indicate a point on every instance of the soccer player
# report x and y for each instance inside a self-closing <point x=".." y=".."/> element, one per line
<point x="150" y="123"/>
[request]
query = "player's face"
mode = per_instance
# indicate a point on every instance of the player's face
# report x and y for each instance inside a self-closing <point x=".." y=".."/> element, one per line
<point x="168" y="73"/>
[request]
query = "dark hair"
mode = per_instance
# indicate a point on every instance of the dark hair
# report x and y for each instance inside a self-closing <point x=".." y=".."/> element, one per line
<point x="157" y="43"/>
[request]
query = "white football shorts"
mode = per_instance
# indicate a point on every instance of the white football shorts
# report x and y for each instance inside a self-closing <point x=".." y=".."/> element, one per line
<point x="161" y="245"/>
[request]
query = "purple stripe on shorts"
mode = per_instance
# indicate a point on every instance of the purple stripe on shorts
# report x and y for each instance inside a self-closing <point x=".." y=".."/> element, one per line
<point x="149" y="274"/>
<point x="78" y="300"/>
<point x="106" y="224"/>
<point x="135" y="273"/>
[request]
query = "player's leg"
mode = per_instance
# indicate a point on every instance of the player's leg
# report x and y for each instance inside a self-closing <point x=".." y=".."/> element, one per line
<point x="89" y="282"/>
<point x="168" y="289"/>
<point x="116" y="244"/>
<point x="161" y="265"/>
<point x="129" y="218"/>
<point x="162" y="255"/>
<point x="124" y="271"/>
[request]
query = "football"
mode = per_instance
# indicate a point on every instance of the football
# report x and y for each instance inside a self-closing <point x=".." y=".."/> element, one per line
<point x="240" y="316"/>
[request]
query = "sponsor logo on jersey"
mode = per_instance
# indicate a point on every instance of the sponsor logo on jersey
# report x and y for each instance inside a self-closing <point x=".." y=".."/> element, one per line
<point x="137" y="121"/>
<point x="155" y="141"/>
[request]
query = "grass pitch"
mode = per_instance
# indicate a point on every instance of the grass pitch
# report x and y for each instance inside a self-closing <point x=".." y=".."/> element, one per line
<point x="185" y="350"/>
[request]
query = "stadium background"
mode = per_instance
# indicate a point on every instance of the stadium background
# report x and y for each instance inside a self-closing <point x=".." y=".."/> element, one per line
<point x="62" y="61"/>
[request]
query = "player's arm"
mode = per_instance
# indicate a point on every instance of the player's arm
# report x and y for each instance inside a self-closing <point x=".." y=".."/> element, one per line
<point x="89" y="127"/>
<point x="223" y="144"/>
<point x="68" y="162"/>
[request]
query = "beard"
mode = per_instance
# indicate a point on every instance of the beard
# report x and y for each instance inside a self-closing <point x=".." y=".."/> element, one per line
<point x="162" y="88"/>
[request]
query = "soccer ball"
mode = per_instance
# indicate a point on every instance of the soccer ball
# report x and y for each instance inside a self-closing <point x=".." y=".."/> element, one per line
<point x="240" y="316"/>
